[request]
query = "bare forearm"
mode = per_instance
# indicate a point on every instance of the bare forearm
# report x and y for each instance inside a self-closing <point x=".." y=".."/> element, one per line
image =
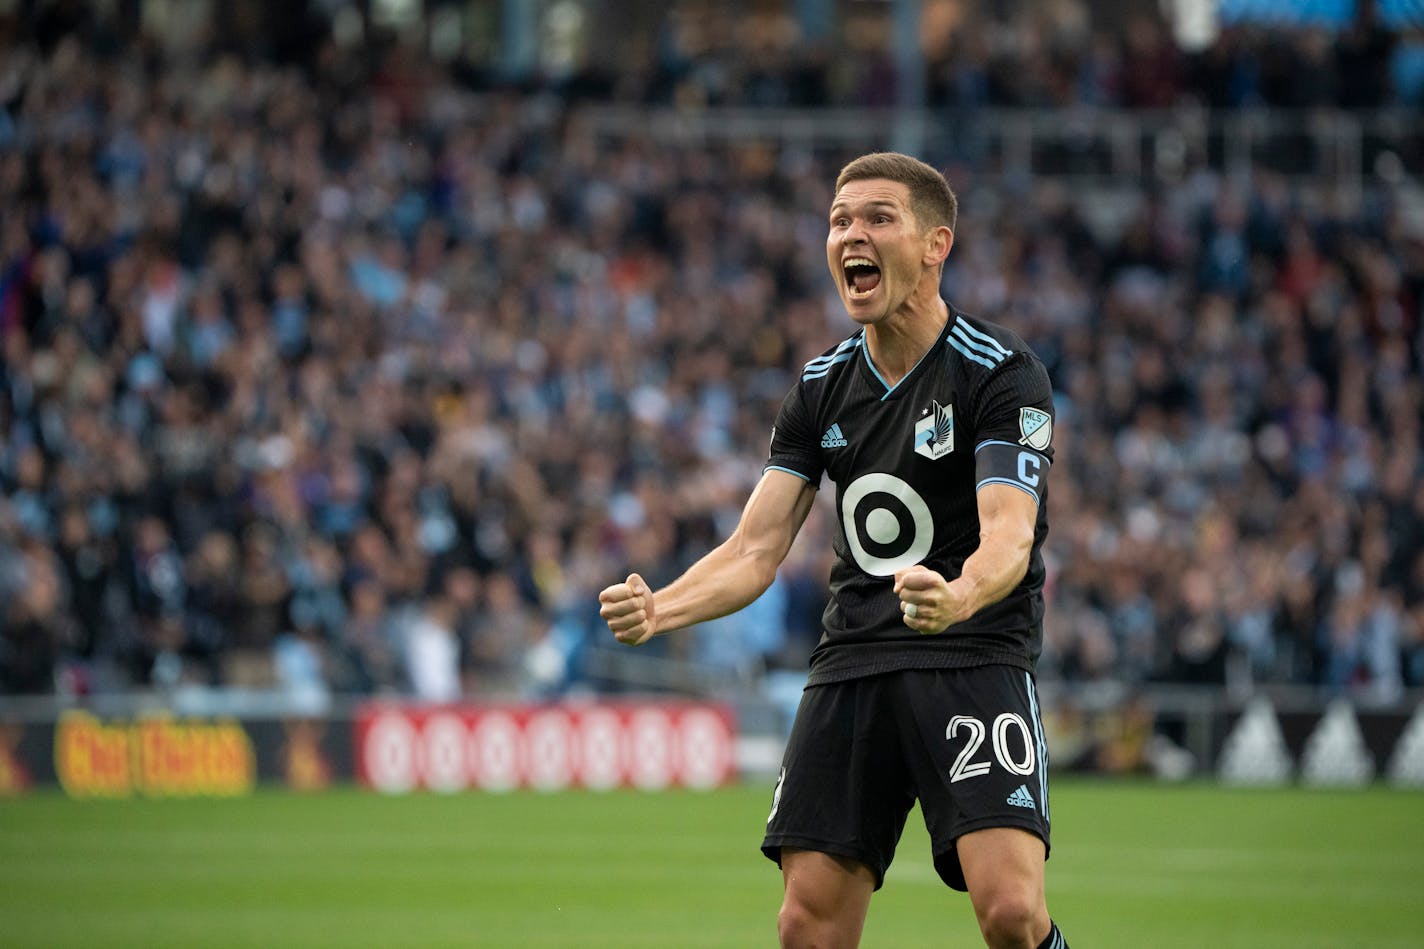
<point x="932" y="604"/>
<point x="991" y="573"/>
<point x="724" y="581"/>
<point x="727" y="579"/>
<point x="1006" y="528"/>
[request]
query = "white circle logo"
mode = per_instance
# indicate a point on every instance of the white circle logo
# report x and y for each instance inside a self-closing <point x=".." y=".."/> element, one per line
<point x="494" y="748"/>
<point x="389" y="752"/>
<point x="894" y="510"/>
<point x="442" y="752"/>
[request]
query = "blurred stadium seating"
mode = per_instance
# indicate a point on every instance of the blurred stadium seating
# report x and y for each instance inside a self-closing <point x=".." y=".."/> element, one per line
<point x="350" y="349"/>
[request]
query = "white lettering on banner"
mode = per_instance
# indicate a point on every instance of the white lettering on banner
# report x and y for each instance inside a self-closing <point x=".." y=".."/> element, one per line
<point x="549" y="744"/>
<point x="494" y="748"/>
<point x="652" y="750"/>
<point x="600" y="750"/>
<point x="443" y="754"/>
<point x="706" y="753"/>
<point x="388" y="754"/>
<point x="648" y="745"/>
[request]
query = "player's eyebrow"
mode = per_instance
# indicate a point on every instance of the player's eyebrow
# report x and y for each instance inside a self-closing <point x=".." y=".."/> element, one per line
<point x="872" y="205"/>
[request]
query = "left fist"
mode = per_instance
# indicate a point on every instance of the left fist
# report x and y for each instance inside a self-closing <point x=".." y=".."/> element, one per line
<point x="922" y="594"/>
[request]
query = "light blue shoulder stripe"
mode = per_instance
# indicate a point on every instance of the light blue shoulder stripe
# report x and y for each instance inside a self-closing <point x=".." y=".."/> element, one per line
<point x="984" y="338"/>
<point x="968" y="353"/>
<point x="820" y="371"/>
<point x="957" y="332"/>
<point x="846" y="346"/>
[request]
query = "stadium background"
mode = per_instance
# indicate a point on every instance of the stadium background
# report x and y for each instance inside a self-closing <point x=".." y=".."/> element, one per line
<point x="349" y="349"/>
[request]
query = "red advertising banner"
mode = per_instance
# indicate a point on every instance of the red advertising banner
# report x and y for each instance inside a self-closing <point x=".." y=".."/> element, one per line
<point x="647" y="745"/>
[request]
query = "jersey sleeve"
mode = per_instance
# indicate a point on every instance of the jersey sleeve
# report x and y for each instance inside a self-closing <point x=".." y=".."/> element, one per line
<point x="793" y="445"/>
<point x="1015" y="428"/>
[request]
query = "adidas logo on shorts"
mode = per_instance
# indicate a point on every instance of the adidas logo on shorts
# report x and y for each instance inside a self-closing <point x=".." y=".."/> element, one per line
<point x="1021" y="798"/>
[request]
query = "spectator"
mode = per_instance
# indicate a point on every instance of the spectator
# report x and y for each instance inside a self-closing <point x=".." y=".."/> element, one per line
<point x="361" y="372"/>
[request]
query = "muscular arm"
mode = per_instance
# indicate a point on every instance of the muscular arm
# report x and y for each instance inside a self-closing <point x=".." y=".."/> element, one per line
<point x="1007" y="517"/>
<point x="728" y="578"/>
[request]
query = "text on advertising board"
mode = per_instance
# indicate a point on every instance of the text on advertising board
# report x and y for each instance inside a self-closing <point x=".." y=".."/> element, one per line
<point x="156" y="755"/>
<point x="548" y="748"/>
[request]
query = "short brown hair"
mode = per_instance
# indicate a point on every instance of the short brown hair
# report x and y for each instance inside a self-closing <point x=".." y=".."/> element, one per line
<point x="932" y="200"/>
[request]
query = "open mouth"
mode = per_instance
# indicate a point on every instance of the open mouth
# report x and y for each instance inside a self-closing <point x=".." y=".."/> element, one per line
<point x="862" y="276"/>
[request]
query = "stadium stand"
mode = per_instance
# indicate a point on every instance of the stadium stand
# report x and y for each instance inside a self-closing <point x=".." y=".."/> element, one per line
<point x="334" y="368"/>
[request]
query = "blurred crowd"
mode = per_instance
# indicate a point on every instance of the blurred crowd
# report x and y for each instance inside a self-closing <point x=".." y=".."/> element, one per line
<point x="348" y="377"/>
<point x="1051" y="54"/>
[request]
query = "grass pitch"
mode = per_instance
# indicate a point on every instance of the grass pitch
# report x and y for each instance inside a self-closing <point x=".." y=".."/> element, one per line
<point x="1134" y="865"/>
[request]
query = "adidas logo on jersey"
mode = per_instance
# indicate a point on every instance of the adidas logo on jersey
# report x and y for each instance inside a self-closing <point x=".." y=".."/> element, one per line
<point x="1021" y="798"/>
<point x="833" y="437"/>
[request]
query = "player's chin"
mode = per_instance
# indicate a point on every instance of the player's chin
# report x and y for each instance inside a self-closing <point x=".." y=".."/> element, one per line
<point x="863" y="314"/>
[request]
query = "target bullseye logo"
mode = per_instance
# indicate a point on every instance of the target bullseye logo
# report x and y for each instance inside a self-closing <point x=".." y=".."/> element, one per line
<point x="887" y="524"/>
<point x="501" y="747"/>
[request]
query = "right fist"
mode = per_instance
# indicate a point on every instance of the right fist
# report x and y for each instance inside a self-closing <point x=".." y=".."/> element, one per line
<point x="627" y="608"/>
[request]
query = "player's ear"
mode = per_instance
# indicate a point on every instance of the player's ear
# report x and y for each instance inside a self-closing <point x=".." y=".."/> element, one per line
<point x="937" y="247"/>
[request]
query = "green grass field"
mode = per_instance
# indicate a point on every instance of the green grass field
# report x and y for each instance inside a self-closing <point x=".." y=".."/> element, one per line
<point x="1134" y="865"/>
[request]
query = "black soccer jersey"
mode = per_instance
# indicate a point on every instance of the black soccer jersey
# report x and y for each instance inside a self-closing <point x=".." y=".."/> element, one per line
<point x="907" y="461"/>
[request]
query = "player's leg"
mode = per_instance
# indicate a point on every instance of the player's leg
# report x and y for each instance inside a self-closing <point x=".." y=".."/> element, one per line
<point x="825" y="901"/>
<point x="980" y="766"/>
<point x="1003" y="868"/>
<point x="837" y="812"/>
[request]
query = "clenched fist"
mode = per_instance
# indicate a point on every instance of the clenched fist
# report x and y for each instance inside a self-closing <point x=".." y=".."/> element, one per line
<point x="925" y="599"/>
<point x="627" y="608"/>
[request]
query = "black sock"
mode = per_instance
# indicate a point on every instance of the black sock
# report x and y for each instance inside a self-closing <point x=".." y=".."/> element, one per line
<point x="1054" y="939"/>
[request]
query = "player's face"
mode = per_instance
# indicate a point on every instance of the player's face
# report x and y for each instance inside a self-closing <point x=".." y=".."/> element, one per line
<point x="876" y="249"/>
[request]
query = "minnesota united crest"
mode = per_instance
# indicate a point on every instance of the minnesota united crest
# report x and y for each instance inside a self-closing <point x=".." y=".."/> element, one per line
<point x="934" y="434"/>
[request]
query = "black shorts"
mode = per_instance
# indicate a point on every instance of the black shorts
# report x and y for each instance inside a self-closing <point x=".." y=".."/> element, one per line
<point x="968" y="743"/>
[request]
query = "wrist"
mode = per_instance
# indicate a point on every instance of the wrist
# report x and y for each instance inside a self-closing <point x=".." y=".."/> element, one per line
<point x="966" y="593"/>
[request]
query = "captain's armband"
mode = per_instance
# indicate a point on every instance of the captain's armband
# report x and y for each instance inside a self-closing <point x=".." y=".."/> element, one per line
<point x="997" y="462"/>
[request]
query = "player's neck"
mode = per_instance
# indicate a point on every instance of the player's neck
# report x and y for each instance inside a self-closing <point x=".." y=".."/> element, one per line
<point x="898" y="343"/>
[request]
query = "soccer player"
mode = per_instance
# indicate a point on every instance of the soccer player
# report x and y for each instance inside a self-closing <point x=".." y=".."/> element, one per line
<point x="937" y="429"/>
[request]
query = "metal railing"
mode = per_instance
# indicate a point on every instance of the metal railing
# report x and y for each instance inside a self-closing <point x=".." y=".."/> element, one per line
<point x="1080" y="143"/>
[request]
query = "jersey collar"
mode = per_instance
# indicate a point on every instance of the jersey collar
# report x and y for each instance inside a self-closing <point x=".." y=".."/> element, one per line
<point x="877" y="381"/>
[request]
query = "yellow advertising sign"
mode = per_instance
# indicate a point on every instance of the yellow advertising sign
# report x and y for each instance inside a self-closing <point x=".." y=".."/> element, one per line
<point x="156" y="756"/>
